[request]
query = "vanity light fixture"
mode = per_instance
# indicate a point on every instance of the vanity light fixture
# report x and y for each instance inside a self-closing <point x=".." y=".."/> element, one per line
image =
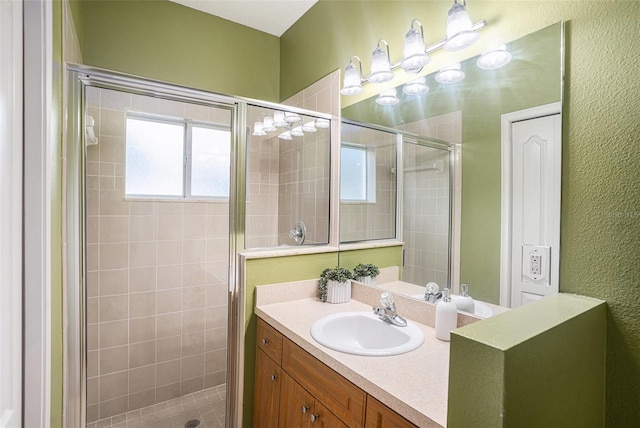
<point x="381" y="64"/>
<point x="267" y="124"/>
<point x="388" y="98"/>
<point x="416" y="87"/>
<point x="452" y="74"/>
<point x="309" y="127"/>
<point x="258" y="129"/>
<point x="297" y="131"/>
<point x="461" y="33"/>
<point x="415" y="56"/>
<point x="283" y="122"/>
<point x="495" y="58"/>
<point x="322" y="123"/>
<point x="291" y="117"/>
<point x="278" y="119"/>
<point x="286" y="135"/>
<point x="352" y="83"/>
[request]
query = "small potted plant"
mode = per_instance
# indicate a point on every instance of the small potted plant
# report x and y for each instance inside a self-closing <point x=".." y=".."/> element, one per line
<point x="366" y="273"/>
<point x="335" y="285"/>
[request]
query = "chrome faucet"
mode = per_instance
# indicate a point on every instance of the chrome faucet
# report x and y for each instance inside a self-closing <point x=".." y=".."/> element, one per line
<point x="388" y="312"/>
<point x="432" y="292"/>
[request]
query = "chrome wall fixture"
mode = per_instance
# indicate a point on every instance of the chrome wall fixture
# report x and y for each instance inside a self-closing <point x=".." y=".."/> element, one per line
<point x="461" y="33"/>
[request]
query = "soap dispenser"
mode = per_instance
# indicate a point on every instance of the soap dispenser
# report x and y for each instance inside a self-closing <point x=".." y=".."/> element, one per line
<point x="465" y="302"/>
<point x="446" y="316"/>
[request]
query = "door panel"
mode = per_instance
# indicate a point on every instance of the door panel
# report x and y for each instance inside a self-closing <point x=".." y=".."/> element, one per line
<point x="535" y="208"/>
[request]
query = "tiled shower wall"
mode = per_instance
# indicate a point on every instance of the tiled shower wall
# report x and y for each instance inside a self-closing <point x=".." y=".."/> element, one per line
<point x="304" y="187"/>
<point x="288" y="180"/>
<point x="364" y="221"/>
<point x="426" y="202"/>
<point x="156" y="274"/>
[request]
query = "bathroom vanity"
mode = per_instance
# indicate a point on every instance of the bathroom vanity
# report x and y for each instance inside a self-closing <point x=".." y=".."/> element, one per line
<point x="300" y="382"/>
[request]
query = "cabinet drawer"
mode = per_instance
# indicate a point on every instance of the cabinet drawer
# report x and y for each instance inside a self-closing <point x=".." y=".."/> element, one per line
<point x="269" y="340"/>
<point x="340" y="396"/>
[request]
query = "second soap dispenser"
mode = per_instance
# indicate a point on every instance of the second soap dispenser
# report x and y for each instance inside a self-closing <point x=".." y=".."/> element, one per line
<point x="446" y="316"/>
<point x="464" y="302"/>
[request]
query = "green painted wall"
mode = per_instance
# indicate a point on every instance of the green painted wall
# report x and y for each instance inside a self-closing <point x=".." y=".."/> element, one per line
<point x="271" y="271"/>
<point x="166" y="41"/>
<point x="600" y="228"/>
<point x="540" y="365"/>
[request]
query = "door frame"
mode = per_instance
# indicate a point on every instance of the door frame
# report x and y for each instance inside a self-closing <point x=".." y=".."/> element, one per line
<point x="38" y="167"/>
<point x="506" y="187"/>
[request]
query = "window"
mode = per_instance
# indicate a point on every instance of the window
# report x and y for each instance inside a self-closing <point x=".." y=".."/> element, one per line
<point x="167" y="158"/>
<point x="357" y="173"/>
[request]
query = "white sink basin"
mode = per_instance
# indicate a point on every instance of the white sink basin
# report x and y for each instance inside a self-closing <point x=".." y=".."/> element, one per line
<point x="363" y="333"/>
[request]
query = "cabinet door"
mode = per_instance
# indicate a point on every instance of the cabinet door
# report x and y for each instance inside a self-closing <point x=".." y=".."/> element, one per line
<point x="296" y="404"/>
<point x="380" y="416"/>
<point x="267" y="392"/>
<point x="323" y="418"/>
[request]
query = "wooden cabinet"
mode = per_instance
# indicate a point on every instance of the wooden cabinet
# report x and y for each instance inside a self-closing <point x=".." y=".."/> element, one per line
<point x="295" y="389"/>
<point x="298" y="408"/>
<point x="380" y="416"/>
<point x="267" y="391"/>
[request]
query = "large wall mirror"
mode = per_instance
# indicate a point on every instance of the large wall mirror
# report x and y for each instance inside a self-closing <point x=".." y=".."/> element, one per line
<point x="473" y="108"/>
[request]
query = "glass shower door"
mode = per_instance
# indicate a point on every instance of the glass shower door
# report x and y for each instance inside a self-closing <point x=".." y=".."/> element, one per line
<point x="426" y="214"/>
<point x="157" y="177"/>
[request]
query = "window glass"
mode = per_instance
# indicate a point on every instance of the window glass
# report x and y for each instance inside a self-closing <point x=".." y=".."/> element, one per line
<point x="210" y="162"/>
<point x="154" y="158"/>
<point x="353" y="173"/>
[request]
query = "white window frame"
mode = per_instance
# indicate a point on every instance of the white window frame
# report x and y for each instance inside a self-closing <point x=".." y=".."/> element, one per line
<point x="188" y="125"/>
<point x="370" y="170"/>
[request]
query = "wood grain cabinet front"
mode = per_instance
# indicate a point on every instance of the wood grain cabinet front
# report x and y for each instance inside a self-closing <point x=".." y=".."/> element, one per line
<point x="298" y="408"/>
<point x="295" y="389"/>
<point x="266" y="402"/>
<point x="380" y="416"/>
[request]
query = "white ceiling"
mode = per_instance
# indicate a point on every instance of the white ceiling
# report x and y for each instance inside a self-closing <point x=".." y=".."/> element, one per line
<point x="273" y="17"/>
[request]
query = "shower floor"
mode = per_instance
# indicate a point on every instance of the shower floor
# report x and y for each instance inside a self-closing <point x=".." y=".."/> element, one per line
<point x="208" y="406"/>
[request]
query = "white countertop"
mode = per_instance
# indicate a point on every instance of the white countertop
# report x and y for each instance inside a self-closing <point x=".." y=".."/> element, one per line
<point x="414" y="384"/>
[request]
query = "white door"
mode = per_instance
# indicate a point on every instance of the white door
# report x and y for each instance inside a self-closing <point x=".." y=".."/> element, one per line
<point x="533" y="213"/>
<point x="10" y="214"/>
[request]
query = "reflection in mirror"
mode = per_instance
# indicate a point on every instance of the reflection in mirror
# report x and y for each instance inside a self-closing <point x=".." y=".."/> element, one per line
<point x="367" y="183"/>
<point x="532" y="78"/>
<point x="426" y="212"/>
<point x="287" y="179"/>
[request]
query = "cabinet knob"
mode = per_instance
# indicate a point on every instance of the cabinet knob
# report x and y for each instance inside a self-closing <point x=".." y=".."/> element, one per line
<point x="274" y="377"/>
<point x="314" y="417"/>
<point x="305" y="409"/>
<point x="265" y="341"/>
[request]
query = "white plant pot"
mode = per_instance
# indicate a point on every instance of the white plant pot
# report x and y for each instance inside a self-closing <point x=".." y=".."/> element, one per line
<point x="367" y="280"/>
<point x="338" y="292"/>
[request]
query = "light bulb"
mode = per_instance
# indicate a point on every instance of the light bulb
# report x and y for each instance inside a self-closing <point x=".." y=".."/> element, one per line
<point x="416" y="87"/>
<point x="380" y="65"/>
<point x="352" y="82"/>
<point x="278" y="119"/>
<point x="388" y="98"/>
<point x="267" y="124"/>
<point x="496" y="58"/>
<point x="258" y="129"/>
<point x="322" y="123"/>
<point x="309" y="127"/>
<point x="459" y="29"/>
<point x="414" y="52"/>
<point x="449" y="75"/>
